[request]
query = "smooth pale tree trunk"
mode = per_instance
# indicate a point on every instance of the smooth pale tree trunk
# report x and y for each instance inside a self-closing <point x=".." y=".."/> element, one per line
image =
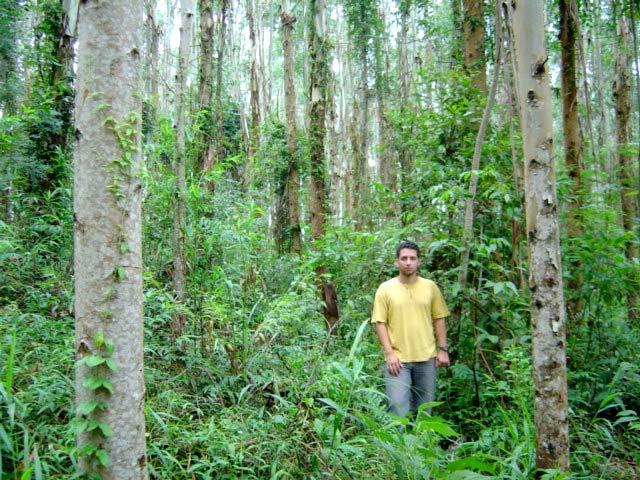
<point x="107" y="236"/>
<point x="293" y="180"/>
<point x="475" y="162"/>
<point x="205" y="69"/>
<point x="622" y="97"/>
<point x="545" y="266"/>
<point x="473" y="32"/>
<point x="319" y="78"/>
<point x="179" y="165"/>
<point x="572" y="140"/>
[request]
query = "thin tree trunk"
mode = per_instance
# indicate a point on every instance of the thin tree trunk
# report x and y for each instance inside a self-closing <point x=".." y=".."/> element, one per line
<point x="179" y="213"/>
<point x="458" y="41"/>
<point x="622" y="97"/>
<point x="222" y="25"/>
<point x="107" y="241"/>
<point x="473" y="27"/>
<point x="545" y="266"/>
<point x="386" y="165"/>
<point x="254" y="91"/>
<point x="319" y="78"/>
<point x="598" y="70"/>
<point x="572" y="142"/>
<point x="585" y="83"/>
<point x="475" y="163"/>
<point x="405" y="154"/>
<point x="518" y="175"/>
<point x="293" y="180"/>
<point x="361" y="154"/>
<point x="635" y="6"/>
<point x="205" y="67"/>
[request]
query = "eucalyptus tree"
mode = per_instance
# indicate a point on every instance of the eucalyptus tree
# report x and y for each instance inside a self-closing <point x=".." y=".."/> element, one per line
<point x="293" y="180"/>
<point x="404" y="81"/>
<point x="361" y="19"/>
<point x="386" y="157"/>
<point x="318" y="82"/>
<point x="571" y="135"/>
<point x="107" y="242"/>
<point x="622" y="97"/>
<point x="10" y="14"/>
<point x="254" y="88"/>
<point x="545" y="267"/>
<point x="153" y="32"/>
<point x="222" y="26"/>
<point x="473" y="45"/>
<point x="205" y="69"/>
<point x="179" y="164"/>
<point x="467" y="233"/>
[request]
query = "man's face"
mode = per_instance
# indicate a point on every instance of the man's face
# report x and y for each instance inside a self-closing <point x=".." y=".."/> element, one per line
<point x="408" y="261"/>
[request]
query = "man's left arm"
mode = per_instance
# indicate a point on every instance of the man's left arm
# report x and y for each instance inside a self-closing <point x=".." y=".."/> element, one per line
<point x="440" y="329"/>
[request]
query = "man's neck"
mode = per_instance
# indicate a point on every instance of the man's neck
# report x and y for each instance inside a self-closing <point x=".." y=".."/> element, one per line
<point x="407" y="280"/>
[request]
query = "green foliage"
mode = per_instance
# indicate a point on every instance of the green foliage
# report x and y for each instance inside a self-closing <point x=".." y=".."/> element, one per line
<point x="258" y="389"/>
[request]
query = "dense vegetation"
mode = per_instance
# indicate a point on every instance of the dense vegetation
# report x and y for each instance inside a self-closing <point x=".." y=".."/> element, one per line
<point x="256" y="387"/>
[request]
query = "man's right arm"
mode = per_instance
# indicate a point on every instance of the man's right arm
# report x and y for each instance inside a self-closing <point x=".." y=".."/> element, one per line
<point x="393" y="362"/>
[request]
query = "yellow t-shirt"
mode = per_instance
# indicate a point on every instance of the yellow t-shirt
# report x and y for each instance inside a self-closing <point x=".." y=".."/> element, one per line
<point x="409" y="311"/>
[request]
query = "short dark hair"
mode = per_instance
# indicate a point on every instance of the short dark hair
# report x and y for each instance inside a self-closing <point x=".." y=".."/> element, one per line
<point x="409" y="245"/>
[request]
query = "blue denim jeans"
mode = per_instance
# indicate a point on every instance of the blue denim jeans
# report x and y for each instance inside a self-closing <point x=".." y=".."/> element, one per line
<point x="413" y="386"/>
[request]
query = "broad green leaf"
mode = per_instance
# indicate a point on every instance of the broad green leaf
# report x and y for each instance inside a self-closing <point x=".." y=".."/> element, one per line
<point x="103" y="457"/>
<point x="94" y="360"/>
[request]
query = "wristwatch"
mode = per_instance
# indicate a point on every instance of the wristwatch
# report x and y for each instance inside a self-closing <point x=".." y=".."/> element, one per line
<point x="444" y="348"/>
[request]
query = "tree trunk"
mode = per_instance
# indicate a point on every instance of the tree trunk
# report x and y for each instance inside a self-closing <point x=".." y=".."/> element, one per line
<point x="222" y="25"/>
<point x="179" y="213"/>
<point x="473" y="28"/>
<point x="293" y="180"/>
<point x="598" y="74"/>
<point x="205" y="61"/>
<point x="622" y="97"/>
<point x="545" y="266"/>
<point x="254" y="89"/>
<point x="572" y="142"/>
<point x="634" y="7"/>
<point x="319" y="77"/>
<point x="475" y="162"/>
<point x="361" y="154"/>
<point x="386" y="160"/>
<point x="107" y="241"/>
<point x="405" y="154"/>
<point x="151" y="62"/>
<point x="456" y="20"/>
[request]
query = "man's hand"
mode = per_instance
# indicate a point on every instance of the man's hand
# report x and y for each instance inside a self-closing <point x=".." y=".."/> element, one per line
<point x="442" y="360"/>
<point x="393" y="364"/>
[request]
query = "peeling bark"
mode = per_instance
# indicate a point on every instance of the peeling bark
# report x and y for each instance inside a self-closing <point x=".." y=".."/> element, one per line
<point x="545" y="267"/>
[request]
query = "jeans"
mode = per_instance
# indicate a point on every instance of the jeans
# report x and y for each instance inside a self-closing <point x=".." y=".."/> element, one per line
<point x="413" y="386"/>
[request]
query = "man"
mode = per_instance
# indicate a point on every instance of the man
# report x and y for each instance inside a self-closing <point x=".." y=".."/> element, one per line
<point x="409" y="316"/>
